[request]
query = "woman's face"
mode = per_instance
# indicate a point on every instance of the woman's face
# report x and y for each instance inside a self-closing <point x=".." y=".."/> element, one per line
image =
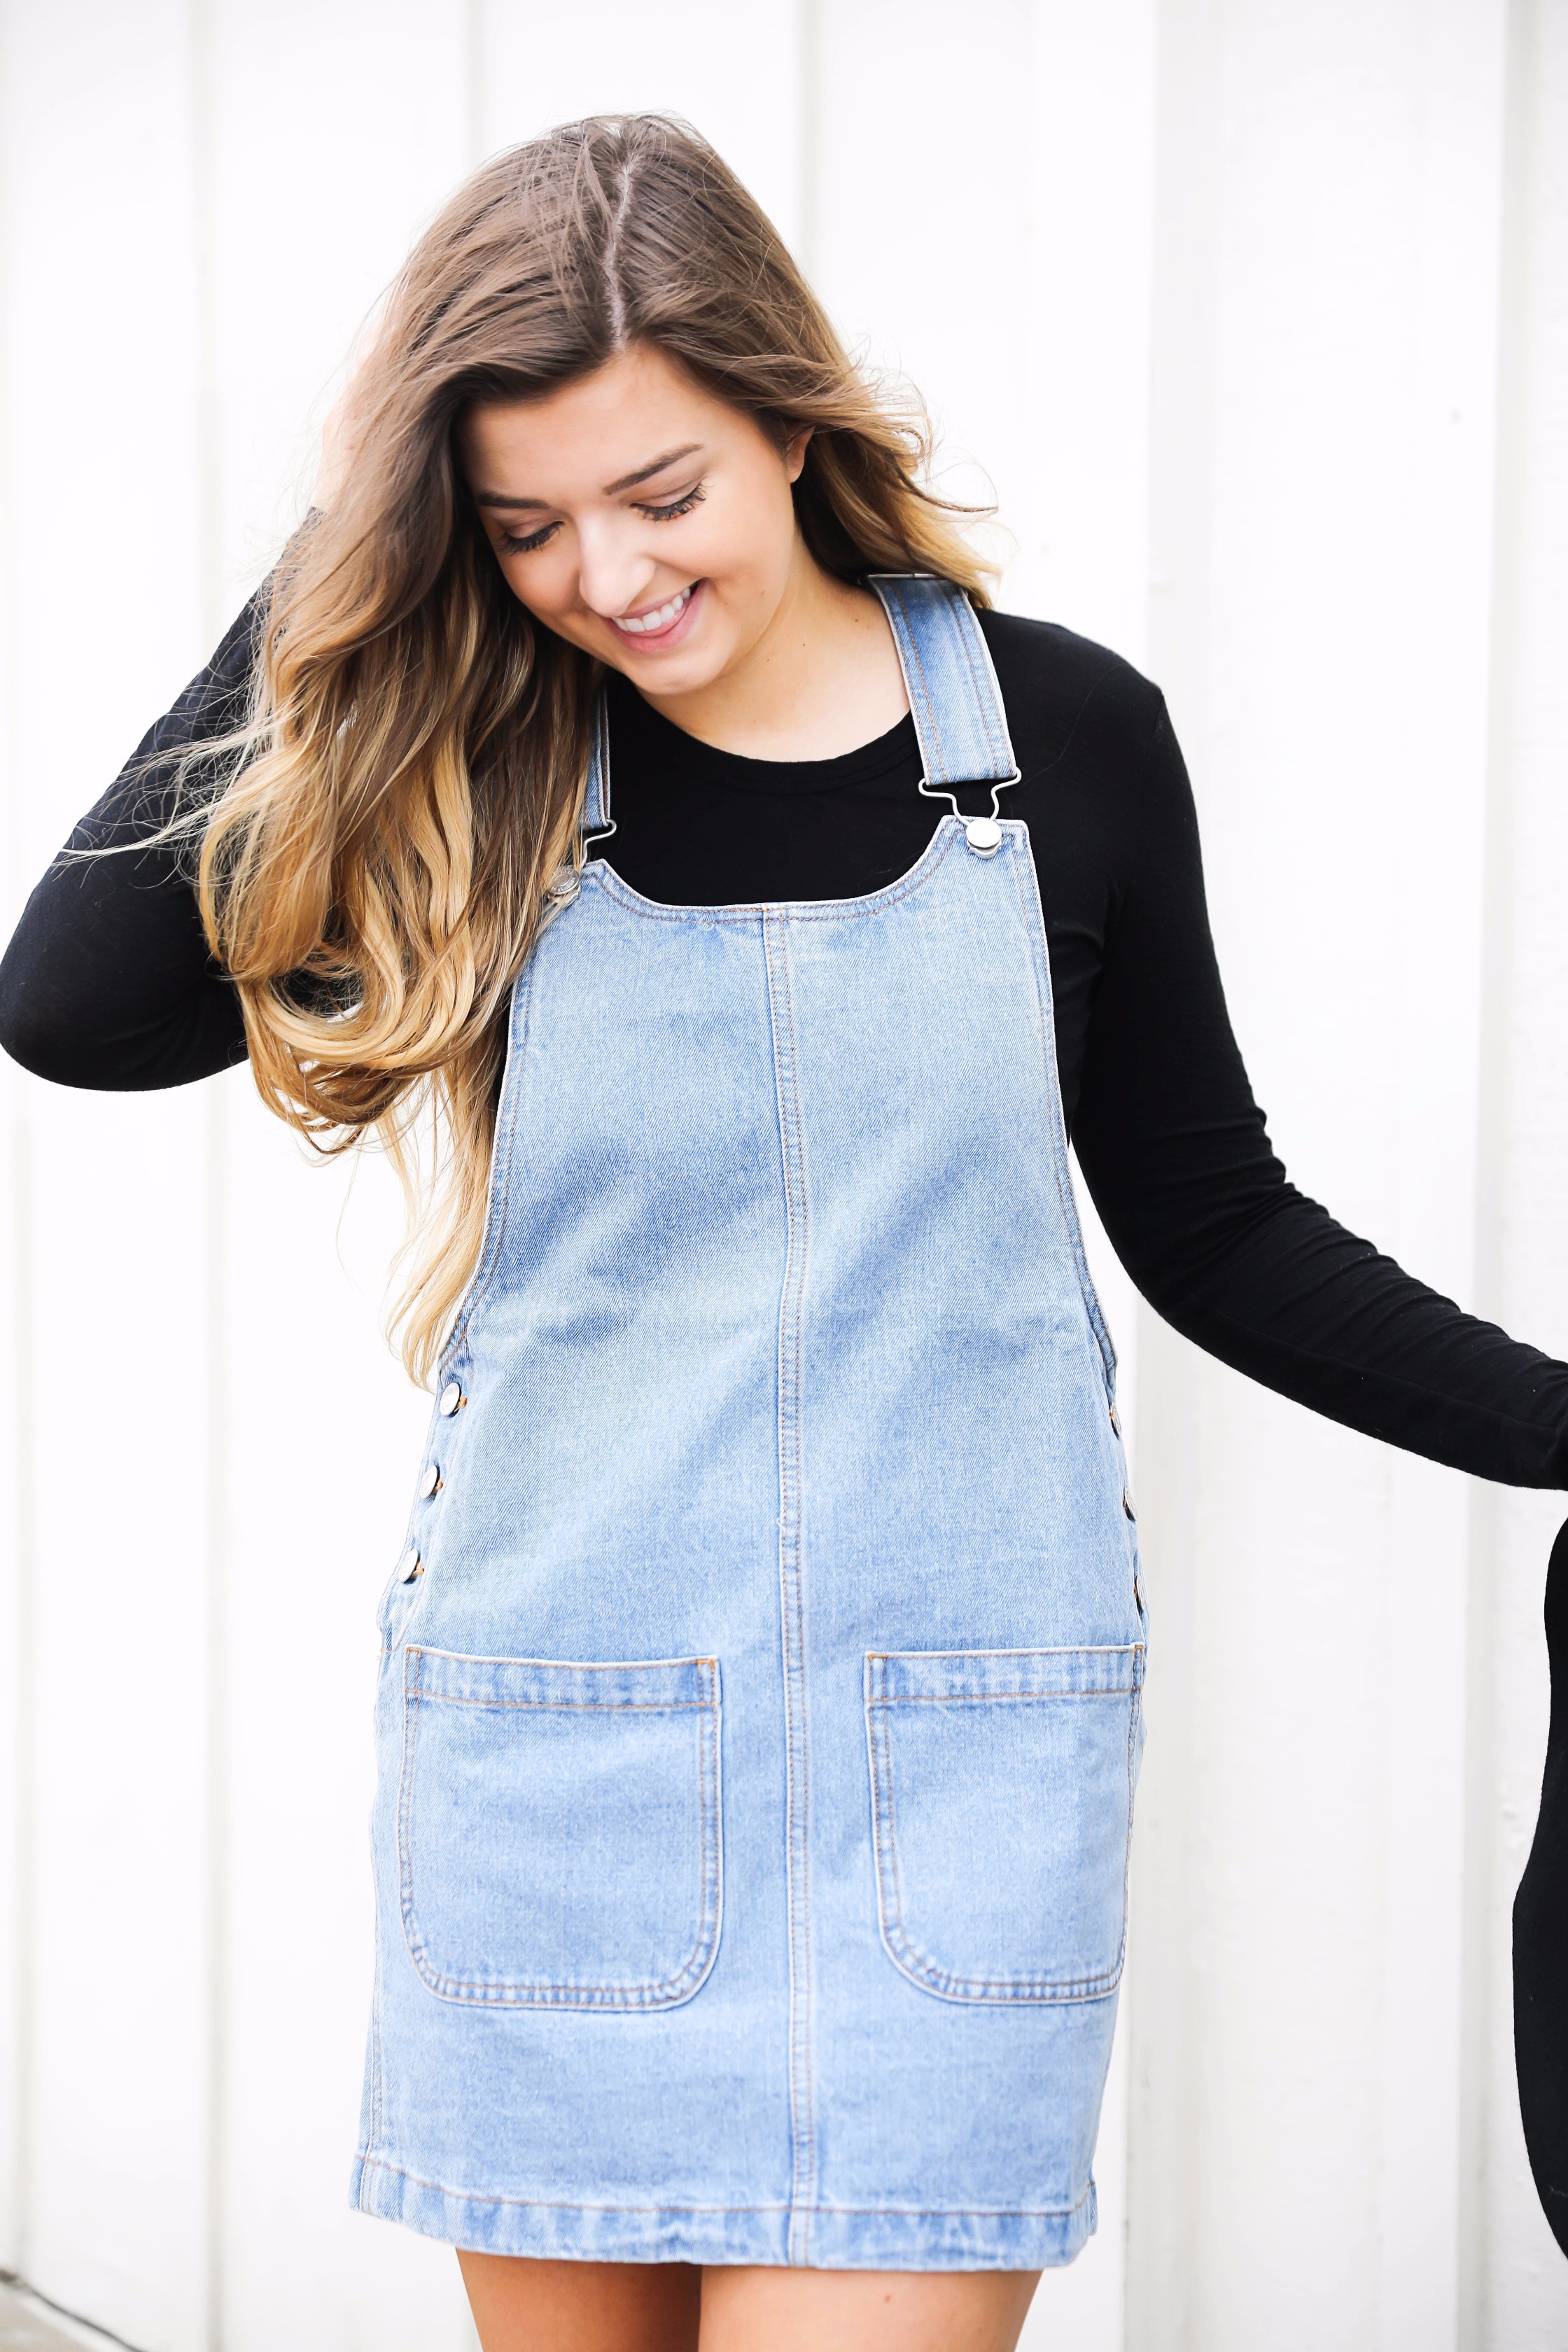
<point x="637" y="516"/>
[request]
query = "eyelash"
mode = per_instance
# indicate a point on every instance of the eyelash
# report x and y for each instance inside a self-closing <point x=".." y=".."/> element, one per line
<point x="536" y="539"/>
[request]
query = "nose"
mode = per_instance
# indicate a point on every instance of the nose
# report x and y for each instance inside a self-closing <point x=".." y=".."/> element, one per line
<point x="613" y="575"/>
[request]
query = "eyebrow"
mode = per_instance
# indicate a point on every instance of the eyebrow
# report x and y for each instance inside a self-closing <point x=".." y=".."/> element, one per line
<point x="627" y="482"/>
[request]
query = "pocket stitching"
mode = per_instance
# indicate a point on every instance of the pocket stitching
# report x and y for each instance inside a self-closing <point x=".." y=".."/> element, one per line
<point x="518" y="1993"/>
<point x="920" y="1970"/>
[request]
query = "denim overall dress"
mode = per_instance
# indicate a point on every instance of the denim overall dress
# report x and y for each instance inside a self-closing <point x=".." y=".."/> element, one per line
<point x="759" y="1702"/>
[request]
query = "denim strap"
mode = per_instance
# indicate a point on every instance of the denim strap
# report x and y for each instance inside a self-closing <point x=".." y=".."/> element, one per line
<point x="597" y="818"/>
<point x="952" y="689"/>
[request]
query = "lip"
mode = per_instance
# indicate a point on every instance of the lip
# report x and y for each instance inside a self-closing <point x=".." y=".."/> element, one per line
<point x="657" y="641"/>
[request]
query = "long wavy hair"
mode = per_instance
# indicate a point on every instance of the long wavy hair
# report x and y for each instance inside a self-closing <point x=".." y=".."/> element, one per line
<point x="407" y="792"/>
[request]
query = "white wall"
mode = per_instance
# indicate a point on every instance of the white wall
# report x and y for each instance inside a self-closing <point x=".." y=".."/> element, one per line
<point x="1253" y="313"/>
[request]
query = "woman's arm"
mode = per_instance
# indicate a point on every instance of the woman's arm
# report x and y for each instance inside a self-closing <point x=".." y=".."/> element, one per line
<point x="108" y="982"/>
<point x="1198" y="1207"/>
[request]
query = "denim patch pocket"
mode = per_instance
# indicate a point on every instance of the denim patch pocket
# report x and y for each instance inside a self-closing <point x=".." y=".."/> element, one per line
<point x="558" y="1830"/>
<point x="1002" y="1808"/>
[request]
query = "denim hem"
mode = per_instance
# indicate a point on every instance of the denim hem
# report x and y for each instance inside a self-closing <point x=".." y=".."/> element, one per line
<point x="834" y="2238"/>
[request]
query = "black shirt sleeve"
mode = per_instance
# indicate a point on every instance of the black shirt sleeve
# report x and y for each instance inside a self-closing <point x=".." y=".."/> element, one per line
<point x="1198" y="1206"/>
<point x="108" y="982"/>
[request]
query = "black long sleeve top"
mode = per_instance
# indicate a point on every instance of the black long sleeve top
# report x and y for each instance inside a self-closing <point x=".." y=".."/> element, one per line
<point x="108" y="983"/>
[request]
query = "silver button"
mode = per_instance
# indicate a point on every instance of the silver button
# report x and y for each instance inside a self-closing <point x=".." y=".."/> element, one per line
<point x="1127" y="1504"/>
<point x="431" y="1480"/>
<point x="411" y="1566"/>
<point x="1137" y="1590"/>
<point x="983" y="835"/>
<point x="1115" y="1422"/>
<point x="451" y="1398"/>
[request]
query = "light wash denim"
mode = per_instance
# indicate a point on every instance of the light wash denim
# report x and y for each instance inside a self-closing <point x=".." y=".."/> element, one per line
<point x="759" y="1706"/>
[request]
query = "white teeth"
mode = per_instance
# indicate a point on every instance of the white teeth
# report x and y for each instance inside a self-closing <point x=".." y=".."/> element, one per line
<point x="649" y="624"/>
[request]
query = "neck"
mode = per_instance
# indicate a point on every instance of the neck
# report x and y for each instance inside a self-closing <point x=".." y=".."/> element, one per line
<point x="822" y="679"/>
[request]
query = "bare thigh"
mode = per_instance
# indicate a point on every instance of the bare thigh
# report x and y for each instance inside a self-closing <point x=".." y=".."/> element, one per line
<point x="522" y="2305"/>
<point x="747" y="2310"/>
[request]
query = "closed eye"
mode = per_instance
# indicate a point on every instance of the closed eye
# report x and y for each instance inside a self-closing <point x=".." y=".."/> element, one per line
<point x="692" y="498"/>
<point x="512" y="546"/>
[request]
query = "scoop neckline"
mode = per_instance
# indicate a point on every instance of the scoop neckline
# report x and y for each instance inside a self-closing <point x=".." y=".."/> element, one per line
<point x="665" y="745"/>
<point x="948" y="834"/>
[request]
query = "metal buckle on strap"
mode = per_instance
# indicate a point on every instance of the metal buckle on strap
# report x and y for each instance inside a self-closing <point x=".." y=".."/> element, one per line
<point x="983" y="834"/>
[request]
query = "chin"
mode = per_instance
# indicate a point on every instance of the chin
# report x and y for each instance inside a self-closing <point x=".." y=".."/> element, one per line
<point x="683" y="670"/>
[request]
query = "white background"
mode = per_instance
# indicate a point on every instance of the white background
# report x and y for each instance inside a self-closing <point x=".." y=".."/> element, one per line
<point x="1255" y="314"/>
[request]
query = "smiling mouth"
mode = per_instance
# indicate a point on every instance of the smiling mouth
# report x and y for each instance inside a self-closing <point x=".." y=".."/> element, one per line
<point x="662" y="618"/>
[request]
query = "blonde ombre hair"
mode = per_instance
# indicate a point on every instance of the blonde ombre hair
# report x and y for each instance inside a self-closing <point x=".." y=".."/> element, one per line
<point x="373" y="870"/>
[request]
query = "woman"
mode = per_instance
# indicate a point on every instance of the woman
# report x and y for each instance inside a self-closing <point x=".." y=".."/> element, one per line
<point x="626" y="761"/>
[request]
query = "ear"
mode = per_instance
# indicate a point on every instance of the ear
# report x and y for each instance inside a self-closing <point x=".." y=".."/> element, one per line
<point x="795" y="452"/>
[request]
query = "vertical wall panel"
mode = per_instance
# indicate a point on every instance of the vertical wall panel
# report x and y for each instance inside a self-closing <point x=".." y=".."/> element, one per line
<point x="923" y="161"/>
<point x="1517" y="2282"/>
<point x="16" y="1615"/>
<point x="1322" y="620"/>
<point x="1080" y="282"/>
<point x="1444" y="655"/>
<point x="104" y="522"/>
